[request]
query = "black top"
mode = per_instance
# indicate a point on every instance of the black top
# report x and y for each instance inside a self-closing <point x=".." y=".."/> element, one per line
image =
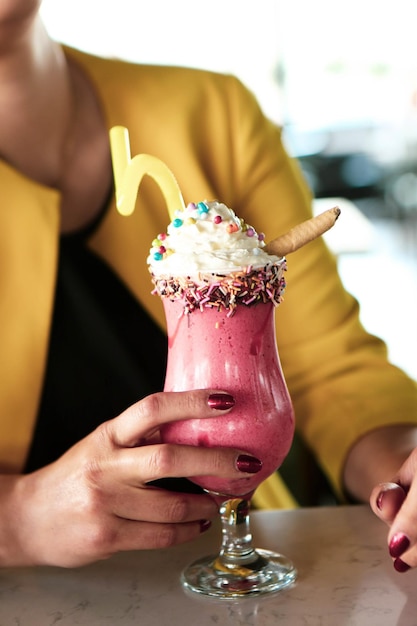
<point x="105" y="352"/>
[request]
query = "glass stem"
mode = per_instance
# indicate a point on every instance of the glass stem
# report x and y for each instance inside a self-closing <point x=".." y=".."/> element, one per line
<point x="237" y="556"/>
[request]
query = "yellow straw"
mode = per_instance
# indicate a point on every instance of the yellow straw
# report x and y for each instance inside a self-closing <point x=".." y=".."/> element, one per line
<point x="128" y="174"/>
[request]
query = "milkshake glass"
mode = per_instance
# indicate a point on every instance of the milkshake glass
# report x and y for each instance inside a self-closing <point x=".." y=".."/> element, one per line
<point x="221" y="335"/>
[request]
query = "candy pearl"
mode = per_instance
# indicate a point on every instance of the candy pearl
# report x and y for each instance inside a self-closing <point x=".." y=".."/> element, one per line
<point x="162" y="236"/>
<point x="217" y="219"/>
<point x="177" y="223"/>
<point x="232" y="228"/>
<point x="191" y="206"/>
<point x="202" y="206"/>
<point x="261" y="236"/>
<point x="157" y="256"/>
<point x="190" y="220"/>
<point x="250" y="232"/>
<point x="161" y="249"/>
<point x="156" y="243"/>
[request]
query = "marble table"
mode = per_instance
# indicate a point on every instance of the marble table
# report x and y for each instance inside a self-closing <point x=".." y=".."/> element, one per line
<point x="345" y="577"/>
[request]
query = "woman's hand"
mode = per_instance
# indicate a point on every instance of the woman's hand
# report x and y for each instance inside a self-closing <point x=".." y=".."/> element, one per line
<point x="396" y="504"/>
<point x="95" y="500"/>
<point x="372" y="462"/>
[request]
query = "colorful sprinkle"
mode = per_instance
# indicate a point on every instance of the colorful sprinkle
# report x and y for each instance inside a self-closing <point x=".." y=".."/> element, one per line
<point x="232" y="228"/>
<point x="177" y="223"/>
<point x="217" y="219"/>
<point x="202" y="207"/>
<point x="250" y="232"/>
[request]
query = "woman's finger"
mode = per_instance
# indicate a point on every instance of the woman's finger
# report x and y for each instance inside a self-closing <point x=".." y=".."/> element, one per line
<point x="136" y="467"/>
<point x="132" y="535"/>
<point x="102" y="541"/>
<point x="156" y="505"/>
<point x="142" y="419"/>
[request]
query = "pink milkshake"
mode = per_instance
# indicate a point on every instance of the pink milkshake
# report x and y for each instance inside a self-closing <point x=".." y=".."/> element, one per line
<point x="238" y="354"/>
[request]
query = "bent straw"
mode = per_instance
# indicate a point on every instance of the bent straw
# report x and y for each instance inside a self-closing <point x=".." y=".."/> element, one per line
<point x="303" y="233"/>
<point x="128" y="174"/>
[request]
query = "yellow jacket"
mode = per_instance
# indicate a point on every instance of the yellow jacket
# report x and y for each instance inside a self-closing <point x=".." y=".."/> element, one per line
<point x="210" y="132"/>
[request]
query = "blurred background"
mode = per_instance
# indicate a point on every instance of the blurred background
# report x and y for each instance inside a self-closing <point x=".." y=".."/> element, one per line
<point x="342" y="81"/>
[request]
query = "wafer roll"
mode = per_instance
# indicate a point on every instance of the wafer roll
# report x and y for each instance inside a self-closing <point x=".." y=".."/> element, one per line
<point x="303" y="233"/>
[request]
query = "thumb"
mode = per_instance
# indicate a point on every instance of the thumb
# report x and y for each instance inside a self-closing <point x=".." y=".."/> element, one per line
<point x="386" y="500"/>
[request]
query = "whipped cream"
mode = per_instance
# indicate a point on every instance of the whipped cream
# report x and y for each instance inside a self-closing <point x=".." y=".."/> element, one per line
<point x="207" y="237"/>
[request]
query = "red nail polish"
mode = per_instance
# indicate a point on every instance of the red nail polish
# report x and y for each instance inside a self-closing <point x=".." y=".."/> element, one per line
<point x="248" y="464"/>
<point x="398" y="545"/>
<point x="400" y="566"/>
<point x="204" y="525"/>
<point x="221" y="401"/>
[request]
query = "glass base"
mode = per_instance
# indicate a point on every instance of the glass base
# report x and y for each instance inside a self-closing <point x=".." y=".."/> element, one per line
<point x="268" y="572"/>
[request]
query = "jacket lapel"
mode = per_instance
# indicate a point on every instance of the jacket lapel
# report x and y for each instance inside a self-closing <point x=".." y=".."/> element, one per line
<point x="29" y="222"/>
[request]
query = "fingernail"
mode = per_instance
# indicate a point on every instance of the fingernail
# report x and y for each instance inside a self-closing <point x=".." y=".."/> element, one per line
<point x="387" y="488"/>
<point x="380" y="500"/>
<point x="221" y="401"/>
<point x="400" y="566"/>
<point x="398" y="545"/>
<point x="248" y="464"/>
<point x="204" y="525"/>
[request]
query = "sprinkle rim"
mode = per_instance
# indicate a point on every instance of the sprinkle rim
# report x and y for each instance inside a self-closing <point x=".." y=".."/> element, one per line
<point x="221" y="291"/>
